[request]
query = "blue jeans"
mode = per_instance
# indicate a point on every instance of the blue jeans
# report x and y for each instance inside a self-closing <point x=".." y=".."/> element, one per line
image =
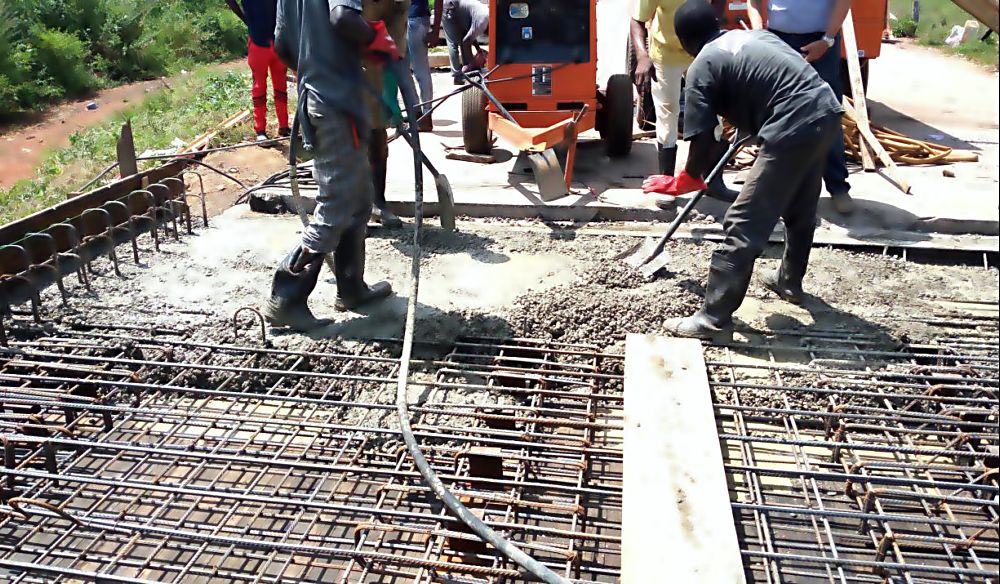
<point x="828" y="68"/>
<point x="416" y="42"/>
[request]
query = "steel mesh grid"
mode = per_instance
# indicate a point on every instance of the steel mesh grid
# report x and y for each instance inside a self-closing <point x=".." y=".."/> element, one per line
<point x="184" y="461"/>
<point x="868" y="464"/>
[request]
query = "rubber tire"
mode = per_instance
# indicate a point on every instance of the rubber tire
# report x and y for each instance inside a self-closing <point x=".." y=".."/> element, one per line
<point x="475" y="122"/>
<point x="619" y="105"/>
<point x="645" y="114"/>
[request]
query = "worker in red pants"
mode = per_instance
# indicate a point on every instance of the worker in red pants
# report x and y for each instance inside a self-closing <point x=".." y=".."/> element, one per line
<point x="259" y="16"/>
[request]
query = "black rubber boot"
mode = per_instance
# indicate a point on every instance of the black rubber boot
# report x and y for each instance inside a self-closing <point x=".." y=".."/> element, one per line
<point x="667" y="159"/>
<point x="378" y="156"/>
<point x="294" y="281"/>
<point x="349" y="265"/>
<point x="786" y="281"/>
<point x="717" y="188"/>
<point x="724" y="292"/>
<point x="842" y="202"/>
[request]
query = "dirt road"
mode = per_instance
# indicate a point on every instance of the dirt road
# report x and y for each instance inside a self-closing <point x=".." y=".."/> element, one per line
<point x="23" y="145"/>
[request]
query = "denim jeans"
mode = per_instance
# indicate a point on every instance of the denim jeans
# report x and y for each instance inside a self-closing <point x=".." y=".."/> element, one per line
<point x="828" y="68"/>
<point x="416" y="40"/>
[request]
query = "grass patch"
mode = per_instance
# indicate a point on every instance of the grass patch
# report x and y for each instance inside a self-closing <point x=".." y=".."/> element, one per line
<point x="937" y="17"/>
<point x="195" y="104"/>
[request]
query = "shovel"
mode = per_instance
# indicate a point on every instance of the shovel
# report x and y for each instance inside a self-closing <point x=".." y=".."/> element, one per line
<point x="648" y="257"/>
<point x="446" y="197"/>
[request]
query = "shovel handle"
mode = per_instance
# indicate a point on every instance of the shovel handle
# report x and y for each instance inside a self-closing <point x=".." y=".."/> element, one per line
<point x="682" y="216"/>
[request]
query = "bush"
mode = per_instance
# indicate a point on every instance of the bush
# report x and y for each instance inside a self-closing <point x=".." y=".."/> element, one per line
<point x="55" y="48"/>
<point x="904" y="27"/>
<point x="63" y="59"/>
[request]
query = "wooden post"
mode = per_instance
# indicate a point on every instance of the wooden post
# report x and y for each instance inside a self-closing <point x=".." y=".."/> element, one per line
<point x="857" y="88"/>
<point x="127" y="165"/>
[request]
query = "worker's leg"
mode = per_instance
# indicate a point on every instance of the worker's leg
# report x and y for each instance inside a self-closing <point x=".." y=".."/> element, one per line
<point x="666" y="93"/>
<point x="343" y="203"/>
<point x="799" y="218"/>
<point x="453" y="36"/>
<point x="416" y="38"/>
<point x="771" y="184"/>
<point x="828" y="68"/>
<point x="259" y="59"/>
<point x="378" y="156"/>
<point x="835" y="175"/>
<point x="279" y="83"/>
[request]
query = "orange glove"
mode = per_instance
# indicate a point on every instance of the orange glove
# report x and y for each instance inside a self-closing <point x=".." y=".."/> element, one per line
<point x="382" y="46"/>
<point x="673" y="185"/>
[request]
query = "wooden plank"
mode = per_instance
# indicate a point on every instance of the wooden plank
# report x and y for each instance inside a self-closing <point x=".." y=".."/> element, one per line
<point x="857" y="88"/>
<point x="677" y="522"/>
<point x="891" y="170"/>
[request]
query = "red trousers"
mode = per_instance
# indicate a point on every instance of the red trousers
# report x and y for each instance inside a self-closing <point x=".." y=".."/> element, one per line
<point x="263" y="60"/>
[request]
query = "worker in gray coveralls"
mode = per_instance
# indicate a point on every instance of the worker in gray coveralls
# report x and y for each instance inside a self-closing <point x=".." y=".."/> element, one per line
<point x="324" y="41"/>
<point x="765" y="88"/>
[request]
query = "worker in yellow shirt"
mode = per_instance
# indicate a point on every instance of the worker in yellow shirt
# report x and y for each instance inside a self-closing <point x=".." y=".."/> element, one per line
<point x="662" y="66"/>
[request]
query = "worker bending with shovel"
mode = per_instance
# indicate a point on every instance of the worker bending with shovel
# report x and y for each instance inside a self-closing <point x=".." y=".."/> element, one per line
<point x="765" y="88"/>
<point x="324" y="41"/>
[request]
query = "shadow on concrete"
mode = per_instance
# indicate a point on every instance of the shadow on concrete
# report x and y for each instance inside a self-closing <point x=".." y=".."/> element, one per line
<point x="436" y="329"/>
<point x="871" y="220"/>
<point x="435" y="241"/>
<point x="895" y="120"/>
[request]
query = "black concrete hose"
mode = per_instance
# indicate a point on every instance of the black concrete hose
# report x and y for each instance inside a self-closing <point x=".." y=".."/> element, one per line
<point x="526" y="562"/>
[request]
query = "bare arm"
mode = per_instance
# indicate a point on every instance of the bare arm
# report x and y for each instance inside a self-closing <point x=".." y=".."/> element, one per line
<point x="349" y="23"/>
<point x="644" y="70"/>
<point x="235" y="7"/>
<point x="700" y="155"/>
<point x="753" y="10"/>
<point x="840" y="10"/>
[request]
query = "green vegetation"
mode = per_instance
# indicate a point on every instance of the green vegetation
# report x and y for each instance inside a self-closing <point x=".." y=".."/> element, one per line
<point x="196" y="104"/>
<point x="50" y="49"/>
<point x="937" y="17"/>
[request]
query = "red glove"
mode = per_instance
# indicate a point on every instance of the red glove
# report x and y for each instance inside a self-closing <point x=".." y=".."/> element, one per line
<point x="673" y="185"/>
<point x="382" y="46"/>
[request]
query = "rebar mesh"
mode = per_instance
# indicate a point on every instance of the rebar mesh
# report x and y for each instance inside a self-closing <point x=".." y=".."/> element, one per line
<point x="157" y="458"/>
<point x="868" y="464"/>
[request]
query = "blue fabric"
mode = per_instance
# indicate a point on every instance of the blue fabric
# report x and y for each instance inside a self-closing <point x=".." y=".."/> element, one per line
<point x="261" y="16"/>
<point x="828" y="68"/>
<point x="420" y="9"/>
<point x="799" y="16"/>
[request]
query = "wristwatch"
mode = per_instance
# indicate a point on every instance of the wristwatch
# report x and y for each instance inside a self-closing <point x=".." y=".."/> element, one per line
<point x="829" y="40"/>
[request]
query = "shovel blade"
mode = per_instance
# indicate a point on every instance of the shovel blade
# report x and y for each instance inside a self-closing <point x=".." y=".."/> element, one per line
<point x="638" y="258"/>
<point x="446" y="202"/>
<point x="548" y="174"/>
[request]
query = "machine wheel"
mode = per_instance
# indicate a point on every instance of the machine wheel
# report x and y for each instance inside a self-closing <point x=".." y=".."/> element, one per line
<point x="617" y="132"/>
<point x="645" y="113"/>
<point x="475" y="122"/>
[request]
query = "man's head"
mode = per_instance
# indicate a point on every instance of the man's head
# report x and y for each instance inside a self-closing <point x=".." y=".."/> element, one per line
<point x="696" y="24"/>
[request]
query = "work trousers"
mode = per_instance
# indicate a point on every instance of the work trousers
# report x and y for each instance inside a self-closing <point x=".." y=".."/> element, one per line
<point x="343" y="175"/>
<point x="666" y="93"/>
<point x="784" y="182"/>
<point x="828" y="68"/>
<point x="416" y="39"/>
<point x="262" y="61"/>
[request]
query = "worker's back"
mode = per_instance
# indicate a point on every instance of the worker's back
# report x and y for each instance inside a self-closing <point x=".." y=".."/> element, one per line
<point x="758" y="83"/>
<point x="328" y="66"/>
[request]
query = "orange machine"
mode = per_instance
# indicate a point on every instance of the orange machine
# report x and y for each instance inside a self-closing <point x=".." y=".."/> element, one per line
<point x="540" y="90"/>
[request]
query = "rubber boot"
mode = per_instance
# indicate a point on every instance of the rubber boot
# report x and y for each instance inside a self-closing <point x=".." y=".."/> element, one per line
<point x="349" y="265"/>
<point x="842" y="202"/>
<point x="667" y="159"/>
<point x="724" y="292"/>
<point x="294" y="281"/>
<point x="717" y="188"/>
<point x="378" y="156"/>
<point x="786" y="281"/>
